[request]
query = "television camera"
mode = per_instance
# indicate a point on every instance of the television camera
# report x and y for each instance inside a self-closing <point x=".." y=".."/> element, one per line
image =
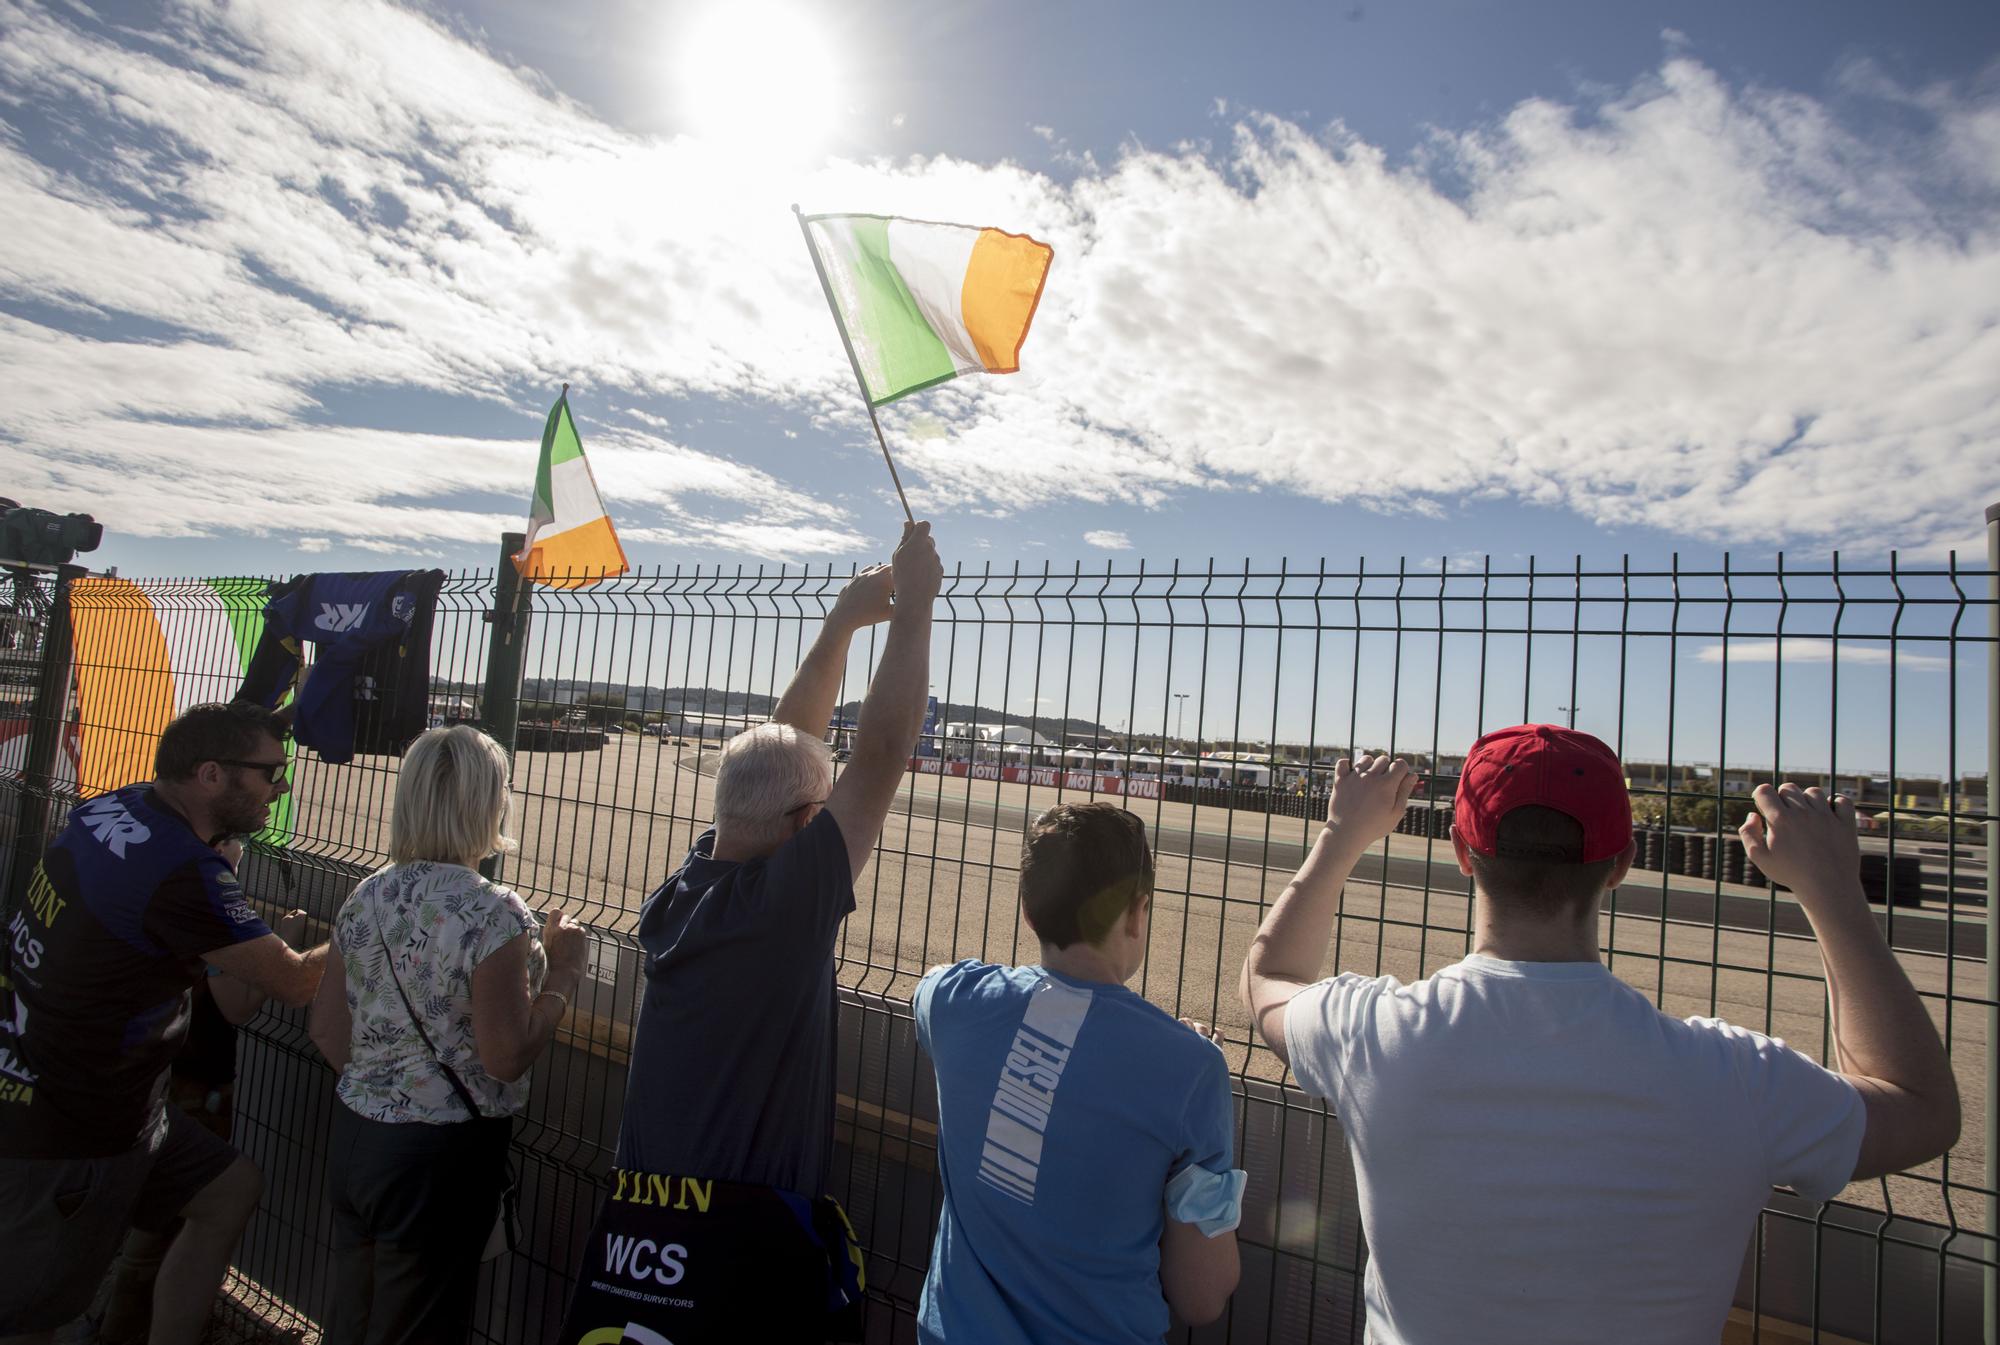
<point x="42" y="537"/>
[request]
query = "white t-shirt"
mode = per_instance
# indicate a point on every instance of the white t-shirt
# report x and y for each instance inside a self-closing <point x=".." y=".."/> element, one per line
<point x="1542" y="1156"/>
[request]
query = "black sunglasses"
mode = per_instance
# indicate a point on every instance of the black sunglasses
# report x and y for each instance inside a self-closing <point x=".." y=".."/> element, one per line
<point x="273" y="770"/>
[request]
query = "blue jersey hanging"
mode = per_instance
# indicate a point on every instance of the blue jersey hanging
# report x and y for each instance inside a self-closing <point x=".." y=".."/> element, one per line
<point x="368" y="689"/>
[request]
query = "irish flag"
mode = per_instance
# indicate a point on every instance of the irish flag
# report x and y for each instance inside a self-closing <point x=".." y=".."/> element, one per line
<point x="920" y="302"/>
<point x="571" y="542"/>
<point x="143" y="655"/>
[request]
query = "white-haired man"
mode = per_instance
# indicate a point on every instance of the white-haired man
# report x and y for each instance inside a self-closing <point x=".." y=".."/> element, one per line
<point x="732" y="1057"/>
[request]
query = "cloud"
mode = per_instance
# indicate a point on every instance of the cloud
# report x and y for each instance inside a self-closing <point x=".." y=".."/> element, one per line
<point x="1719" y="311"/>
<point x="1798" y="649"/>
<point x="1107" y="540"/>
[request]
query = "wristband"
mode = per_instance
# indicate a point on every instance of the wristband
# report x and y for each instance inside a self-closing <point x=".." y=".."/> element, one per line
<point x="555" y="995"/>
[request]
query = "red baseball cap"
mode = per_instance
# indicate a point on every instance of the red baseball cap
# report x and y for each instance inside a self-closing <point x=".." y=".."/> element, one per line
<point x="1557" y="768"/>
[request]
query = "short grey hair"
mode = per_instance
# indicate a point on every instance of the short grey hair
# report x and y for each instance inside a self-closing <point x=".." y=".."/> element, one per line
<point x="766" y="773"/>
<point x="451" y="799"/>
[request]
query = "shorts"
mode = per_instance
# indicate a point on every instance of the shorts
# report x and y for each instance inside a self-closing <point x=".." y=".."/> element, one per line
<point x="62" y="1219"/>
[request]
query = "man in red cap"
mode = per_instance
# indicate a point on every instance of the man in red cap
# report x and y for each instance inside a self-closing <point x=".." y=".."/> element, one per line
<point x="1540" y="1154"/>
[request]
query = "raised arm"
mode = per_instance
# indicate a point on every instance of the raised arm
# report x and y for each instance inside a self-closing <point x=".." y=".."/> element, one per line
<point x="510" y="1027"/>
<point x="893" y="714"/>
<point x="1366" y="803"/>
<point x="1883" y="1040"/>
<point x="807" y="704"/>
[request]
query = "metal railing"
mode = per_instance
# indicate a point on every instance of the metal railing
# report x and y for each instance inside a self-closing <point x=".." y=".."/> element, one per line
<point x="1213" y="701"/>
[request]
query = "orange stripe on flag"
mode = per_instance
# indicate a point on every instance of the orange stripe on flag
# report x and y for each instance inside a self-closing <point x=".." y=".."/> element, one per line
<point x="576" y="556"/>
<point x="1003" y="283"/>
<point x="124" y="683"/>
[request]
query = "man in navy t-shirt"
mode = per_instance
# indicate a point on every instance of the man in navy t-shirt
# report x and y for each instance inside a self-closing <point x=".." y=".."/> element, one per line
<point x="732" y="1056"/>
<point x="126" y="909"/>
<point x="1086" y="1139"/>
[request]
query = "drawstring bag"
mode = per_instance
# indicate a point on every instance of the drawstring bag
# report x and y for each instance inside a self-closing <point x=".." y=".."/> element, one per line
<point x="690" y="1260"/>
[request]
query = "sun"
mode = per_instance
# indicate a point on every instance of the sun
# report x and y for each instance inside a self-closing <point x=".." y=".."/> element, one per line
<point x="758" y="77"/>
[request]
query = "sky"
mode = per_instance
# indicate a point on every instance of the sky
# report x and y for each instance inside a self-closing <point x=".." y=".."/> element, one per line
<point x="289" y="287"/>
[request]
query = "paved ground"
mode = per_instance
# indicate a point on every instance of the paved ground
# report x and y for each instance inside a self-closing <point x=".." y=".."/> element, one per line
<point x="599" y="830"/>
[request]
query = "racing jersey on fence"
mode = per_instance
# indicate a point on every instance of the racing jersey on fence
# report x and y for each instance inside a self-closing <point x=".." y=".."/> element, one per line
<point x="369" y="686"/>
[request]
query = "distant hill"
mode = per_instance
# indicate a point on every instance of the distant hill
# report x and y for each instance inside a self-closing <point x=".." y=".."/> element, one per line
<point x="646" y="701"/>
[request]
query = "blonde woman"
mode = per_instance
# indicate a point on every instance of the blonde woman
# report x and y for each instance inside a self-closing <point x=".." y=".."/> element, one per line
<point x="443" y="989"/>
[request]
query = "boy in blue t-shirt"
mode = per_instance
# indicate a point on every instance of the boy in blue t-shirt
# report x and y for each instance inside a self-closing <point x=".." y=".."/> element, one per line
<point x="1086" y="1139"/>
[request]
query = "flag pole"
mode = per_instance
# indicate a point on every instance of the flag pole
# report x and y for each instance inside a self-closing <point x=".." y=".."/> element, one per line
<point x="840" y="325"/>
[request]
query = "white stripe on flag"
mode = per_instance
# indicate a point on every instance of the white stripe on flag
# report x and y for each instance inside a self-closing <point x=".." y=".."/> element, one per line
<point x="933" y="260"/>
<point x="574" y="496"/>
<point x="201" y="651"/>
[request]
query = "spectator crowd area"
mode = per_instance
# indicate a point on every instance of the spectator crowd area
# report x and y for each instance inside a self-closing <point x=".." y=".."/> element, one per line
<point x="1212" y="701"/>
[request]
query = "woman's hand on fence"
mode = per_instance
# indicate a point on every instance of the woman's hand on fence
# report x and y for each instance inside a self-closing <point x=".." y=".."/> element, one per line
<point x="1369" y="798"/>
<point x="865" y="601"/>
<point x="1203" y="1030"/>
<point x="1803" y="840"/>
<point x="565" y="943"/>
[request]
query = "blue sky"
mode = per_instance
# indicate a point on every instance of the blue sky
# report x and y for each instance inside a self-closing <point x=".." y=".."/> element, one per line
<point x="291" y="286"/>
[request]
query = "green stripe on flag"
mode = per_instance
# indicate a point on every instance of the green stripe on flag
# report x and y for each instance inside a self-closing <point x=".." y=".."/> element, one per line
<point x="565" y="444"/>
<point x="243" y="605"/>
<point x="898" y="350"/>
<point x="559" y="444"/>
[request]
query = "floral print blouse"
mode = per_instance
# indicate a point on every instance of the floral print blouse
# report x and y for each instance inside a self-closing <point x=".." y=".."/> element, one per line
<point x="434" y="923"/>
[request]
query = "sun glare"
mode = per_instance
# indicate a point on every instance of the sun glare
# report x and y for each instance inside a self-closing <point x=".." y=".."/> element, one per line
<point x="758" y="77"/>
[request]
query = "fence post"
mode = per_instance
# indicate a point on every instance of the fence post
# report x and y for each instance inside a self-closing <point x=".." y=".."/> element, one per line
<point x="500" y="702"/>
<point x="45" y="734"/>
<point x="1992" y="906"/>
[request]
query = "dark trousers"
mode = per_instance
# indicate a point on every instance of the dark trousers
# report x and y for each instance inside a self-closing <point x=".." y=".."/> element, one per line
<point x="413" y="1205"/>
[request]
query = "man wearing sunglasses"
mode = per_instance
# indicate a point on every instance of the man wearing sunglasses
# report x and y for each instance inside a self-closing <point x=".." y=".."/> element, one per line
<point x="131" y="904"/>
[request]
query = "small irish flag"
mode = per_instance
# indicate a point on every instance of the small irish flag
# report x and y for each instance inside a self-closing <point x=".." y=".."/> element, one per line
<point x="920" y="302"/>
<point x="571" y="542"/>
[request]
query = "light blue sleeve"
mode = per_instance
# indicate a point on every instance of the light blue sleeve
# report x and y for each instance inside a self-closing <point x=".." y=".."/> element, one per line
<point x="920" y="1000"/>
<point x="1206" y="1188"/>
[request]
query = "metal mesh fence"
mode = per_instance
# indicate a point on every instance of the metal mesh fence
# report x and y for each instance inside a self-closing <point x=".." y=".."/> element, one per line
<point x="1213" y="701"/>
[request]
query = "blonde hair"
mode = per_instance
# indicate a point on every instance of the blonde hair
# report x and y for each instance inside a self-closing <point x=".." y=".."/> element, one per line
<point x="766" y="772"/>
<point x="451" y="799"/>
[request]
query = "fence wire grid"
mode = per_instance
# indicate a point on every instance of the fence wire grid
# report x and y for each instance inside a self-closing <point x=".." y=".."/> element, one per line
<point x="1212" y="702"/>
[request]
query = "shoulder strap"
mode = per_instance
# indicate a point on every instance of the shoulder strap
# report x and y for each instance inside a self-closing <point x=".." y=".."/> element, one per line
<point x="458" y="1087"/>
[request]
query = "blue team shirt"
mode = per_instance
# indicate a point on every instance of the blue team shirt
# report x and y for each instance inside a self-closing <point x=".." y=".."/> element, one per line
<point x="1063" y="1109"/>
<point x="101" y="955"/>
<point x="348" y="616"/>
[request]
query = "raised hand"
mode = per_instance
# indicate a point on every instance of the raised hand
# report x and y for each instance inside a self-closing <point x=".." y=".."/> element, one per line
<point x="1369" y="797"/>
<point x="1805" y="841"/>
<point x="866" y="600"/>
<point x="919" y="572"/>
